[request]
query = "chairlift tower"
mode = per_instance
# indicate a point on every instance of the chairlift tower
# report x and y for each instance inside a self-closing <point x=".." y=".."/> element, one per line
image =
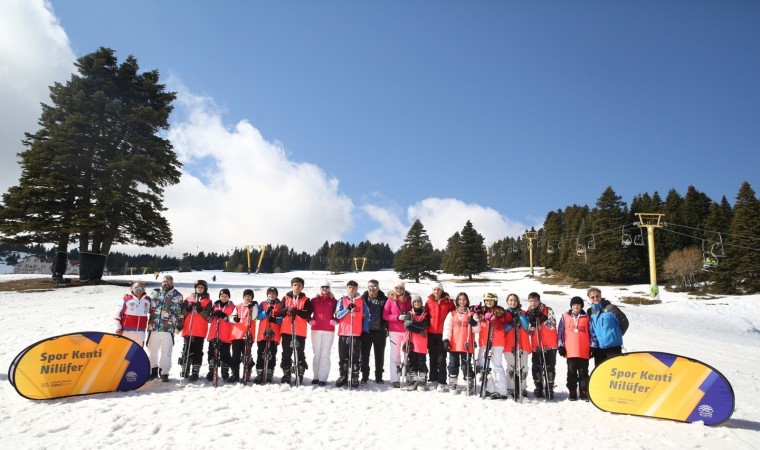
<point x="262" y="249"/>
<point x="530" y="236"/>
<point x="651" y="221"/>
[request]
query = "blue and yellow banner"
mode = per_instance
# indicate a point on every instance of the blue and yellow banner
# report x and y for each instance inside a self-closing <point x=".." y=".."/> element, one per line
<point x="79" y="364"/>
<point x="662" y="385"/>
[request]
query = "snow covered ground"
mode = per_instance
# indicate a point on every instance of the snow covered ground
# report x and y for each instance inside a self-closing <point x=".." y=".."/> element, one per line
<point x="722" y="332"/>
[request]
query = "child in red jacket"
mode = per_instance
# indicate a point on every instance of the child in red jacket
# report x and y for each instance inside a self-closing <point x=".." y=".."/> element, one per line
<point x="416" y="326"/>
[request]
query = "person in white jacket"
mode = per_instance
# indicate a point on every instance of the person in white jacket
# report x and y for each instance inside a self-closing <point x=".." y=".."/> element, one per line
<point x="132" y="315"/>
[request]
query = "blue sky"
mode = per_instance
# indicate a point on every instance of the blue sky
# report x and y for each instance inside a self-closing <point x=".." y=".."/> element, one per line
<point x="497" y="112"/>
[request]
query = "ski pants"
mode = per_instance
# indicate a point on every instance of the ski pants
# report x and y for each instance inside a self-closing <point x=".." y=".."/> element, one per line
<point x="512" y="368"/>
<point x="286" y="362"/>
<point x="375" y="338"/>
<point x="417" y="363"/>
<point x="349" y="347"/>
<point x="437" y="358"/>
<point x="195" y="353"/>
<point x="397" y="341"/>
<point x="537" y="361"/>
<point x="272" y="348"/>
<point x="497" y="383"/>
<point x="321" y="344"/>
<point x="603" y="354"/>
<point x="137" y="336"/>
<point x="577" y="373"/>
<point x="160" y="342"/>
<point x="463" y="360"/>
<point x="224" y="354"/>
<point x="238" y="354"/>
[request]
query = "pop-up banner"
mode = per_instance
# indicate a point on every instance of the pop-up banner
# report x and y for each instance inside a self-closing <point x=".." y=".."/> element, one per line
<point x="79" y="364"/>
<point x="662" y="385"/>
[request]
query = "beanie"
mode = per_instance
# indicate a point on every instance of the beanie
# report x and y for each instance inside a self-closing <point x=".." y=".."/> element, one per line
<point x="576" y="301"/>
<point x="225" y="291"/>
<point x="248" y="292"/>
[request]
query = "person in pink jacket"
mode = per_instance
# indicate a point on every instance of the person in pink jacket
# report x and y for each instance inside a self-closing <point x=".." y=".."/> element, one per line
<point x="399" y="303"/>
<point x="322" y="332"/>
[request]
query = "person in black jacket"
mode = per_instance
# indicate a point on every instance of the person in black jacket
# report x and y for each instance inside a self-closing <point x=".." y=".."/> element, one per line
<point x="375" y="299"/>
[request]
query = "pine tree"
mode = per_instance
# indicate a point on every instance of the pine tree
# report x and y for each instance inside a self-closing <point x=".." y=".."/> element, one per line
<point x="470" y="253"/>
<point x="609" y="261"/>
<point x="414" y="260"/>
<point x="449" y="263"/>
<point x="742" y="244"/>
<point x="96" y="169"/>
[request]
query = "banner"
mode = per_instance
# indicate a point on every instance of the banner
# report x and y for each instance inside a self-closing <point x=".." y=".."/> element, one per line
<point x="662" y="385"/>
<point x="79" y="364"/>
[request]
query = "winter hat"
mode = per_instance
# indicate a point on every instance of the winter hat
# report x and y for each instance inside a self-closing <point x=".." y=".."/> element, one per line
<point x="576" y="301"/>
<point x="400" y="283"/>
<point x="416" y="298"/>
<point x="325" y="284"/>
<point x="201" y="283"/>
<point x="248" y="292"/>
<point x="491" y="296"/>
<point x="437" y="286"/>
<point x="272" y="289"/>
<point x="224" y="291"/>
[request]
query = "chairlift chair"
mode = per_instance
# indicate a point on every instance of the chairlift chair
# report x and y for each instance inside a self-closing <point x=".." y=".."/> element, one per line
<point x="717" y="250"/>
<point x="549" y="249"/>
<point x="580" y="250"/>
<point x="639" y="239"/>
<point x="591" y="244"/>
<point x="626" y="239"/>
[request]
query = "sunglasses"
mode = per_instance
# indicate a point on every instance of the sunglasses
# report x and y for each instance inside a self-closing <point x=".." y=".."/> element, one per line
<point x="594" y="296"/>
<point x="139" y="288"/>
<point x="324" y="287"/>
<point x="372" y="288"/>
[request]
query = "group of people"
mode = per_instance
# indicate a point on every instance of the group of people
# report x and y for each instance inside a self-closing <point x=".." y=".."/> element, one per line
<point x="493" y="341"/>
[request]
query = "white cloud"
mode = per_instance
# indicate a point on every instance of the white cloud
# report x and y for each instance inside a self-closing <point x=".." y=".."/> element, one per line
<point x="239" y="189"/>
<point x="441" y="217"/>
<point x="34" y="53"/>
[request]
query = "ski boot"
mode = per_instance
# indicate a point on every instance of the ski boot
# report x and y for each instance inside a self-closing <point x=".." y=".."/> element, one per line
<point x="422" y="380"/>
<point x="196" y="373"/>
<point x="153" y="373"/>
<point x="301" y="371"/>
<point x="470" y="386"/>
<point x="355" y="377"/>
<point x="453" y="384"/>
<point x="225" y="372"/>
<point x="234" y="377"/>
<point x="210" y="374"/>
<point x="573" y="396"/>
<point x="379" y="377"/>
<point x="259" y="378"/>
<point x="538" y="392"/>
<point x="551" y="384"/>
<point x="583" y="395"/>
<point x="286" y="377"/>
<point x="343" y="377"/>
<point x="412" y="381"/>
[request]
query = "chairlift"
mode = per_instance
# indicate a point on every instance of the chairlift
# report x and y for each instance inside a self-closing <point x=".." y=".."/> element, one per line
<point x="639" y="239"/>
<point x="580" y="250"/>
<point x="626" y="240"/>
<point x="709" y="262"/>
<point x="717" y="250"/>
<point x="549" y="249"/>
<point x="591" y="244"/>
<point x="514" y="248"/>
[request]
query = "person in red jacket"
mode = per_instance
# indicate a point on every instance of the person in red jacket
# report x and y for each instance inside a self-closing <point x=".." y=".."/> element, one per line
<point x="576" y="339"/>
<point x="459" y="331"/>
<point x="543" y="337"/>
<point x="132" y="318"/>
<point x="352" y="315"/>
<point x="220" y="335"/>
<point x="197" y="307"/>
<point x="322" y="332"/>
<point x="296" y="314"/>
<point x="243" y="332"/>
<point x="268" y="336"/>
<point x="492" y="320"/>
<point x="438" y="306"/>
<point x="416" y="324"/>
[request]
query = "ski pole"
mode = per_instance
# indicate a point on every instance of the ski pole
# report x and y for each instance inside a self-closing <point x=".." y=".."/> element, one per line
<point x="544" y="369"/>
<point x="216" y="352"/>
<point x="351" y="350"/>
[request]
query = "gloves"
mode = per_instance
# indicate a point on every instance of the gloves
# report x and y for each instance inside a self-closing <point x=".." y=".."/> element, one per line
<point x="312" y="322"/>
<point x="406" y="347"/>
<point x="290" y="311"/>
<point x="219" y="314"/>
<point x="253" y="304"/>
<point x="562" y="351"/>
<point x="268" y="333"/>
<point x="333" y="322"/>
<point x="402" y="317"/>
<point x="478" y="309"/>
<point x="189" y="307"/>
<point x="446" y="344"/>
<point x="198" y="307"/>
<point x="270" y="309"/>
<point x="236" y="319"/>
<point x="488" y="316"/>
<point x="351" y="306"/>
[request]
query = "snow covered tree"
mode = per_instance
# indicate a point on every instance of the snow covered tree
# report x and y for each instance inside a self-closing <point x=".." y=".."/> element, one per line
<point x="95" y="171"/>
<point x="414" y="260"/>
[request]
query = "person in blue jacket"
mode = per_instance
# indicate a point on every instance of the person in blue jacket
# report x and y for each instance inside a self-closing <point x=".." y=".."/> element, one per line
<point x="610" y="324"/>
